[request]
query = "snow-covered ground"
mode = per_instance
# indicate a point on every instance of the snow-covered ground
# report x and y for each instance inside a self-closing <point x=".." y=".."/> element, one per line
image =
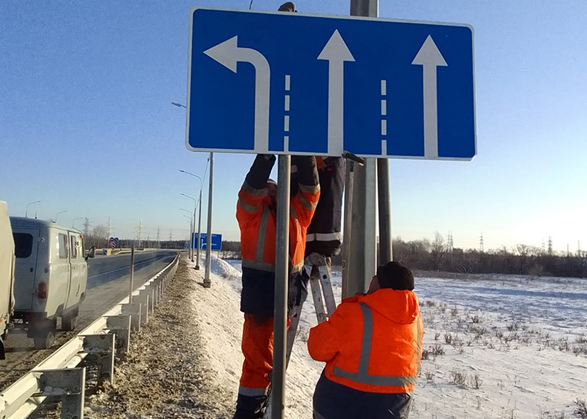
<point x="497" y="346"/>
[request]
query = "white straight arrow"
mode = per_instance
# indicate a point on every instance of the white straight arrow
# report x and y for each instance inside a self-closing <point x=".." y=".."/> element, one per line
<point x="228" y="53"/>
<point x="429" y="57"/>
<point x="336" y="53"/>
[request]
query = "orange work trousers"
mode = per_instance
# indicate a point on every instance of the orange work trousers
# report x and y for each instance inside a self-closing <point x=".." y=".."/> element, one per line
<point x="257" y="347"/>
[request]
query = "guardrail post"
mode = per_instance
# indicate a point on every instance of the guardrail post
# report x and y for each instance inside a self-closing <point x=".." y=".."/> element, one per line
<point x="156" y="290"/>
<point x="134" y="309"/>
<point x="160" y="285"/>
<point x="103" y="347"/>
<point x="120" y="325"/>
<point x="143" y="300"/>
<point x="69" y="384"/>
<point x="148" y="291"/>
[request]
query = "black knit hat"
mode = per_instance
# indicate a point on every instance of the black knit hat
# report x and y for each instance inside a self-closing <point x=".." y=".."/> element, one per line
<point x="396" y="276"/>
<point x="287" y="7"/>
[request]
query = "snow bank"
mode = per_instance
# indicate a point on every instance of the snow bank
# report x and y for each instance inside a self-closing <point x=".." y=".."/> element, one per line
<point x="495" y="349"/>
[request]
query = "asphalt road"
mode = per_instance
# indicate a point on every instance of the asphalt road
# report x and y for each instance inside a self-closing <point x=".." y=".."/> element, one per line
<point x="108" y="283"/>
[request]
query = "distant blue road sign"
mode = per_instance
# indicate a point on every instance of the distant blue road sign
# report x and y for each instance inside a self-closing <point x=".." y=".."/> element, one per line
<point x="216" y="241"/>
<point x="299" y="84"/>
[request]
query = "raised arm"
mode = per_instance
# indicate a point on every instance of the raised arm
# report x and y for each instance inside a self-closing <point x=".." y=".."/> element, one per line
<point x="251" y="194"/>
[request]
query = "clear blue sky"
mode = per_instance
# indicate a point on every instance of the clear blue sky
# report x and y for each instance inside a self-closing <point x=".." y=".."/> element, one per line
<point x="87" y="125"/>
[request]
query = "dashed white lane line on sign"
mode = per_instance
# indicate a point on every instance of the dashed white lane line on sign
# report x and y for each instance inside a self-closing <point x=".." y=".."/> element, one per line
<point x="286" y="106"/>
<point x="384" y="117"/>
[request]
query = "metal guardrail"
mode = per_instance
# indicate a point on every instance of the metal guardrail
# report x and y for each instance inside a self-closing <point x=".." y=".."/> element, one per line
<point x="58" y="375"/>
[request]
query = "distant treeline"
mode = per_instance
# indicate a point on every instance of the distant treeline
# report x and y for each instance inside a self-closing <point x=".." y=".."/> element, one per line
<point x="438" y="255"/>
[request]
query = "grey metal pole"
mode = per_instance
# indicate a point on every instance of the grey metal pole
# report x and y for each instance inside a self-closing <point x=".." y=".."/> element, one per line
<point x="192" y="234"/>
<point x="385" y="242"/>
<point x="280" y="300"/>
<point x="199" y="232"/>
<point x="209" y="235"/>
<point x="362" y="256"/>
<point x="368" y="8"/>
<point x="132" y="271"/>
<point x="348" y="216"/>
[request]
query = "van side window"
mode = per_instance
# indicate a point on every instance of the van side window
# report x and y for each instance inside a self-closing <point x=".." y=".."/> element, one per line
<point x="62" y="245"/>
<point x="23" y="245"/>
<point x="73" y="247"/>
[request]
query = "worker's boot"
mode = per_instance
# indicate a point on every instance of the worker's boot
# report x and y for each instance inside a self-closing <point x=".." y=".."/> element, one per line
<point x="250" y="407"/>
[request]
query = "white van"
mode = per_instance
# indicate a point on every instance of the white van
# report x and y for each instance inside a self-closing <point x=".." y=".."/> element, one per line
<point x="50" y="277"/>
<point x="6" y="274"/>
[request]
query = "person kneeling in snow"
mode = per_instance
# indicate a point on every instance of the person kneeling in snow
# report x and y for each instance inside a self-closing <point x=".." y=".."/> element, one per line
<point x="372" y="346"/>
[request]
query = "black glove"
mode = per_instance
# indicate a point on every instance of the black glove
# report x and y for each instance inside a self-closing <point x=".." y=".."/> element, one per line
<point x="298" y="291"/>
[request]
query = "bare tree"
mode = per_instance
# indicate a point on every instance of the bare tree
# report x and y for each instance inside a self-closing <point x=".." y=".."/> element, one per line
<point x="437" y="250"/>
<point x="99" y="236"/>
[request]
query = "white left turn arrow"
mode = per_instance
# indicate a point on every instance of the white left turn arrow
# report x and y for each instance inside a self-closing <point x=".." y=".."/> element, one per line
<point x="228" y="53"/>
<point x="336" y="53"/>
<point x="429" y="57"/>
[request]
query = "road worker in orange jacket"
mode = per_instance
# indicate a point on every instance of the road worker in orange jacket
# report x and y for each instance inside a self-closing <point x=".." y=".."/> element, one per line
<point x="372" y="346"/>
<point x="256" y="215"/>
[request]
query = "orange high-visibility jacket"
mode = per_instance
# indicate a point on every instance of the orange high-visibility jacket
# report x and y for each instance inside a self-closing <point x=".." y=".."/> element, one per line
<point x="372" y="343"/>
<point x="257" y="221"/>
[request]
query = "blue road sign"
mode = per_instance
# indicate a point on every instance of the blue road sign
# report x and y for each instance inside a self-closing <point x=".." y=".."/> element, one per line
<point x="216" y="241"/>
<point x="289" y="83"/>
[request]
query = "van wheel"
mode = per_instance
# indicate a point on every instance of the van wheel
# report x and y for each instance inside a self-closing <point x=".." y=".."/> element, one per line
<point x="69" y="322"/>
<point x="44" y="342"/>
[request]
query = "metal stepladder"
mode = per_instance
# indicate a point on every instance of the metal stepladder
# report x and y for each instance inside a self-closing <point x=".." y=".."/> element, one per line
<point x="316" y="267"/>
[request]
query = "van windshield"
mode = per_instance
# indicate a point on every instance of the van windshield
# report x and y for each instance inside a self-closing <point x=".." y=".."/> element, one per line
<point x="23" y="245"/>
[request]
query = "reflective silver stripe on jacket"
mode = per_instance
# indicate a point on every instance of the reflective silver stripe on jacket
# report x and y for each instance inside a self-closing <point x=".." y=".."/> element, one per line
<point x="247" y="207"/>
<point x="362" y="376"/>
<point x="306" y="204"/>
<point x="262" y="234"/>
<point x="419" y="360"/>
<point x="309" y="188"/>
<point x="252" y="392"/>
<point x="258" y="262"/>
<point x="323" y="237"/>
<point x="252" y="191"/>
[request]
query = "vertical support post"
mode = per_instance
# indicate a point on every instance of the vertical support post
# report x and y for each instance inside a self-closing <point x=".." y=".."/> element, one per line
<point x="281" y="280"/>
<point x="120" y="325"/>
<point x="385" y="242"/>
<point x="363" y="246"/>
<point x="348" y="222"/>
<point x="69" y="384"/>
<point x="192" y="233"/>
<point x="209" y="235"/>
<point x="132" y="271"/>
<point x="199" y="232"/>
<point x="103" y="347"/>
<point x="134" y="309"/>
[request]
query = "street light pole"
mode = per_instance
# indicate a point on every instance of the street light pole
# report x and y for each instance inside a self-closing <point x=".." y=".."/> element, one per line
<point x="195" y="204"/>
<point x="26" y="212"/>
<point x="199" y="240"/>
<point x="74" y="220"/>
<point x="209" y="239"/>
<point x="60" y="212"/>
<point x="199" y="232"/>
<point x="192" y="226"/>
